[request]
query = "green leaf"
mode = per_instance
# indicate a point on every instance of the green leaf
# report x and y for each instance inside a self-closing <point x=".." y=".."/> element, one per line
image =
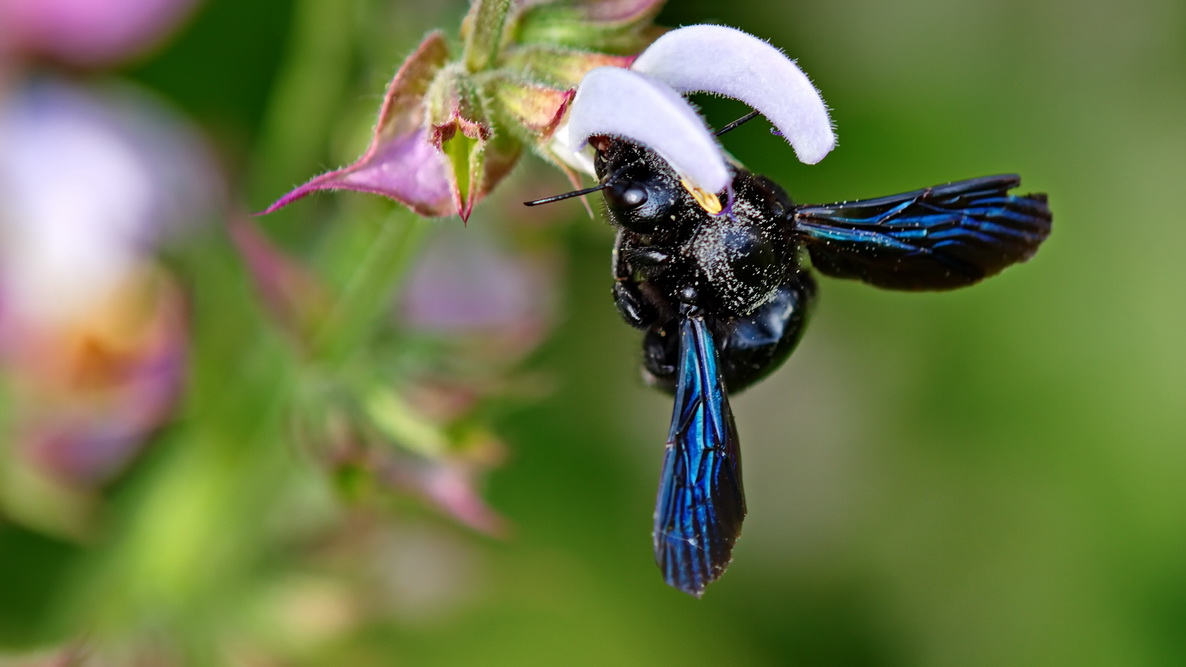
<point x="34" y="574"/>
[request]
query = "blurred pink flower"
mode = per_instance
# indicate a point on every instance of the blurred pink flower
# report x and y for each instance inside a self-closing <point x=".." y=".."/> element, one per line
<point x="450" y="485"/>
<point x="479" y="286"/>
<point x="442" y="465"/>
<point x="92" y="331"/>
<point x="88" y="391"/>
<point x="88" y="33"/>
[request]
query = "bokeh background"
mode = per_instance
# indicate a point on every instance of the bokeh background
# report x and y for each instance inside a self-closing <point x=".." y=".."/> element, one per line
<point x="992" y="476"/>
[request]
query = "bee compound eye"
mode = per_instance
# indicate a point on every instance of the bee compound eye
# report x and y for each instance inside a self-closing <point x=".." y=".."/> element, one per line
<point x="625" y="196"/>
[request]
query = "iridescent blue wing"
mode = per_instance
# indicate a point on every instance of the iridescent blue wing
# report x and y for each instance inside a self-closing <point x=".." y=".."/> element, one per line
<point x="701" y="504"/>
<point x="942" y="237"/>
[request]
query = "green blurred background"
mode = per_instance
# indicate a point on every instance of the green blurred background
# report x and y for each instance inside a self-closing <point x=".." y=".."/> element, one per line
<point x="992" y="476"/>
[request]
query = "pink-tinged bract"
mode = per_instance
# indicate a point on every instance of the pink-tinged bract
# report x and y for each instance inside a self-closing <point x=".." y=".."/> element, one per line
<point x="401" y="162"/>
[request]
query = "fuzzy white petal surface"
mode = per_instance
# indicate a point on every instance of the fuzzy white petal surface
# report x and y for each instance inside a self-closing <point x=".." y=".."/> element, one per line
<point x="558" y="147"/>
<point x="729" y="62"/>
<point x="619" y="102"/>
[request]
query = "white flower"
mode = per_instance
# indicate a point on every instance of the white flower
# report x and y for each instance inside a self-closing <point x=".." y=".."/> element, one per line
<point x="644" y="104"/>
<point x="620" y="102"/>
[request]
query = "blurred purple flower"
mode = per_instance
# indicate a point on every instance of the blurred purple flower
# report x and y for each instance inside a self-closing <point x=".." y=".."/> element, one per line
<point x="475" y="286"/>
<point x="91" y="391"/>
<point x="92" y="332"/>
<point x="88" y="33"/>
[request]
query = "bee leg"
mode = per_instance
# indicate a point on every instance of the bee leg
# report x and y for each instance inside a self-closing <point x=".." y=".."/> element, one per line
<point x="649" y="260"/>
<point x="660" y="355"/>
<point x="628" y="297"/>
<point x="750" y="347"/>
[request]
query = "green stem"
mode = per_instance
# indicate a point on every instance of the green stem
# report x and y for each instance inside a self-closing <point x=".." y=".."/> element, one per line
<point x="367" y="297"/>
<point x="306" y="97"/>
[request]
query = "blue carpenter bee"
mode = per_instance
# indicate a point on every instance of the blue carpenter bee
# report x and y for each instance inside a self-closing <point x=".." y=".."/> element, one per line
<point x="723" y="300"/>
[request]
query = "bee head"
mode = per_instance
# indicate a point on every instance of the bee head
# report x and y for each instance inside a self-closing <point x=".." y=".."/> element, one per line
<point x="642" y="192"/>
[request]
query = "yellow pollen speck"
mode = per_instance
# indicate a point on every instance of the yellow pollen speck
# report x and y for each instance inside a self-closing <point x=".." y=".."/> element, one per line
<point x="707" y="200"/>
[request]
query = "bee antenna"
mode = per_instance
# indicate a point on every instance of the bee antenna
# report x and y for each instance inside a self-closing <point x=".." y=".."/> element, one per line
<point x="567" y="195"/>
<point x="736" y="124"/>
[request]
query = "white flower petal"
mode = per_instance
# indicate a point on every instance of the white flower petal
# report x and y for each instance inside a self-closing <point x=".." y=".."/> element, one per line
<point x="618" y="102"/>
<point x="718" y="59"/>
<point x="558" y="148"/>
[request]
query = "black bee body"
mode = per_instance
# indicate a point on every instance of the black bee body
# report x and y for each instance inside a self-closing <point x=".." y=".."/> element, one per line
<point x="740" y="272"/>
<point x="723" y="298"/>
